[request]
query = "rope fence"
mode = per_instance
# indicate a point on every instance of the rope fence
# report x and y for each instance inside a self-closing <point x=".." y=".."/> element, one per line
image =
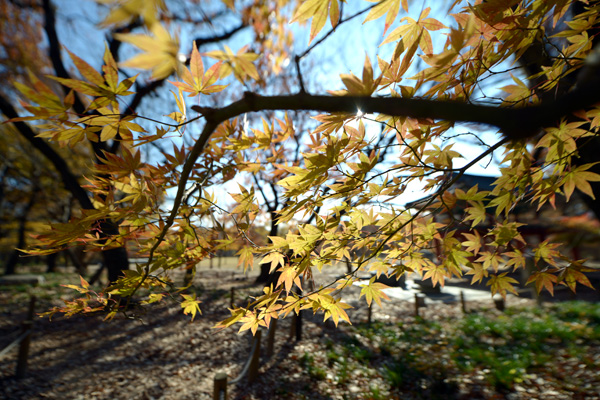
<point x="23" y="341"/>
<point x="252" y="364"/>
<point x="251" y="369"/>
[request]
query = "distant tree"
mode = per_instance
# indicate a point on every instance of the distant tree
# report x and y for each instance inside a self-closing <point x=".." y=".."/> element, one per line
<point x="432" y="83"/>
<point x="25" y="26"/>
<point x="30" y="199"/>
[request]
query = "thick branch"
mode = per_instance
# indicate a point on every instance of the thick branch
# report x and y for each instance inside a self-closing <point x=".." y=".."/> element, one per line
<point x="142" y="92"/>
<point x="59" y="67"/>
<point x="53" y="42"/>
<point x="515" y="123"/>
<point x="54" y="51"/>
<point x="69" y="180"/>
<point x="270" y="207"/>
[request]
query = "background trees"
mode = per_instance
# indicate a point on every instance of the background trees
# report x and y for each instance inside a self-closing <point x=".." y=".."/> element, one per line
<point x="340" y="182"/>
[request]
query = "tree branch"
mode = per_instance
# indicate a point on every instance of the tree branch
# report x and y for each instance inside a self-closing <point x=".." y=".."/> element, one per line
<point x="54" y="51"/>
<point x="515" y="123"/>
<point x="59" y="67"/>
<point x="113" y="44"/>
<point x="214" y="39"/>
<point x="270" y="208"/>
<point x="142" y="92"/>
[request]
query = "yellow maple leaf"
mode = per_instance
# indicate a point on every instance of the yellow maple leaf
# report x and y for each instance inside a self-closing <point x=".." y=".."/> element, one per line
<point x="240" y="64"/>
<point x="389" y="7"/>
<point x="124" y="11"/>
<point x="160" y="51"/>
<point x="195" y="80"/>
<point x="318" y="11"/>
<point x="373" y="291"/>
<point x="190" y="305"/>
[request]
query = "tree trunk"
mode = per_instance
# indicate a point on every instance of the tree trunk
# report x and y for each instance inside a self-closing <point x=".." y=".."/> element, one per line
<point x="115" y="261"/>
<point x="80" y="265"/>
<point x="51" y="262"/>
<point x="13" y="260"/>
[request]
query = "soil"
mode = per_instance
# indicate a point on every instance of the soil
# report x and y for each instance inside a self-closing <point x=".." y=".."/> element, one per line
<point x="163" y="355"/>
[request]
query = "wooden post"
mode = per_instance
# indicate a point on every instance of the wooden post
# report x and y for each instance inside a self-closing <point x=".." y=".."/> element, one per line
<point x="296" y="327"/>
<point x="293" y="326"/>
<point x="499" y="303"/>
<point x="463" y="304"/>
<point x="538" y="297"/>
<point x="369" y="313"/>
<point x="24" y="351"/>
<point x="419" y="302"/>
<point x="298" y="316"/>
<point x="271" y="339"/>
<point x="416" y="305"/>
<point x="254" y="363"/>
<point x="232" y="297"/>
<point x="220" y="386"/>
<point x="31" y="310"/>
<point x="24" y="346"/>
<point x="299" y="326"/>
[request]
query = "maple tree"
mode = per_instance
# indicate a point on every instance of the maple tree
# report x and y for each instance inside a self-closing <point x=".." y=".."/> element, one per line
<point x="522" y="74"/>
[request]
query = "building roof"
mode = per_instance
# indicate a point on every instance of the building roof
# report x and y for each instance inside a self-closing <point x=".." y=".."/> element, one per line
<point x="464" y="182"/>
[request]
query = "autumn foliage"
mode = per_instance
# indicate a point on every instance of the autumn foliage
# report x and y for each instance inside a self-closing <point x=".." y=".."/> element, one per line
<point x="524" y="73"/>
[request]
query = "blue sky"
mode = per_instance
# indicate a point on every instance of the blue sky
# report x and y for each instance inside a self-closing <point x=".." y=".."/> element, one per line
<point x="350" y="44"/>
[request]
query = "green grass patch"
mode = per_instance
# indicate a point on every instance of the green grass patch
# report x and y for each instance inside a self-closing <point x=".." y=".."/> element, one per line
<point x="16" y="297"/>
<point x="505" y="349"/>
<point x="510" y="346"/>
<point x="315" y="372"/>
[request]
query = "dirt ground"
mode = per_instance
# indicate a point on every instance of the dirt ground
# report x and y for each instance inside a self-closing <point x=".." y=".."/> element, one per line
<point x="163" y="355"/>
